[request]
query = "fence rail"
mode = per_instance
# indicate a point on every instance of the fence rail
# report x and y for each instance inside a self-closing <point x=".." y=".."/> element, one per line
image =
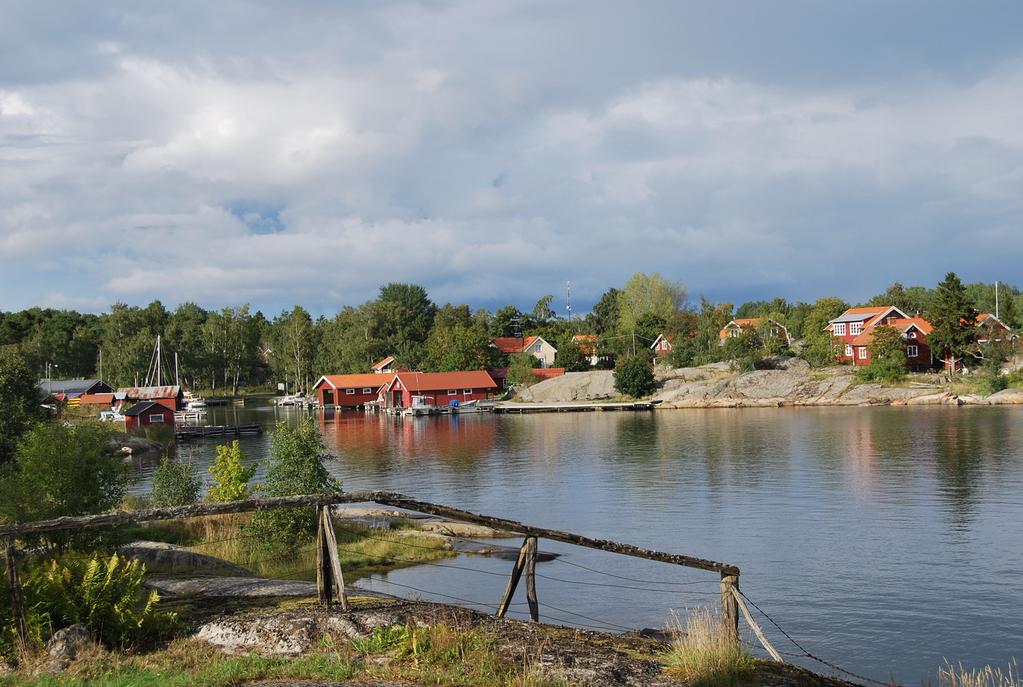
<point x="330" y="583"/>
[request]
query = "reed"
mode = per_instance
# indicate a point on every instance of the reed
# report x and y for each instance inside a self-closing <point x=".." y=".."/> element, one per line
<point x="702" y="654"/>
<point x="957" y="675"/>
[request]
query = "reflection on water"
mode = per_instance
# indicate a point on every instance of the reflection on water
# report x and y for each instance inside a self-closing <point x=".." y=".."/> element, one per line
<point x="886" y="538"/>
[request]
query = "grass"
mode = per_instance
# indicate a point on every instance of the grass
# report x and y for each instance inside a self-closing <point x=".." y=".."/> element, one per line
<point x="701" y="653"/>
<point x="958" y="676"/>
<point x="440" y="655"/>
<point x="361" y="549"/>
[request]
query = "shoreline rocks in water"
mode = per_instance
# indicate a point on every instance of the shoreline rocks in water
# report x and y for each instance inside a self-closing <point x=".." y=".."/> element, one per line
<point x="792" y="384"/>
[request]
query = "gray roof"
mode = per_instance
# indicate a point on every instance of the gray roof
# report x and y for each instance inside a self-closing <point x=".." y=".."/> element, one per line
<point x="142" y="407"/>
<point x="74" y="386"/>
<point x="856" y="316"/>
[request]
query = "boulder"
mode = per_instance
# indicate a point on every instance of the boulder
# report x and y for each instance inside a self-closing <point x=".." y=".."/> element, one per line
<point x="64" y="646"/>
<point x="269" y="636"/>
<point x="166" y="559"/>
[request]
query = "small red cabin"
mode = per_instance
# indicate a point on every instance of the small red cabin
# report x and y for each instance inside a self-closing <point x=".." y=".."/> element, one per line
<point x="349" y="391"/>
<point x="440" y="387"/>
<point x="148" y="414"/>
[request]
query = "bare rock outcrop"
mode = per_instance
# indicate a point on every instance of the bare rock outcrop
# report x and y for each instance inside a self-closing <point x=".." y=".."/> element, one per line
<point x="167" y="559"/>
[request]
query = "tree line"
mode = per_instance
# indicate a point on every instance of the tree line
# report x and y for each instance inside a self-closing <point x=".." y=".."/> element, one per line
<point x="225" y="349"/>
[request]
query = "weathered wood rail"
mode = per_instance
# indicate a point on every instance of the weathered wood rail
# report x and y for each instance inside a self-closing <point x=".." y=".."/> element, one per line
<point x="330" y="581"/>
<point x="186" y="432"/>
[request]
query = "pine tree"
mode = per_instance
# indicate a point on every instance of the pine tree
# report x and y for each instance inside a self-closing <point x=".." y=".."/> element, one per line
<point x="953" y="319"/>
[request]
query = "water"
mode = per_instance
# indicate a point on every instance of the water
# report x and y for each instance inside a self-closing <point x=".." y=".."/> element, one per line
<point x="885" y="539"/>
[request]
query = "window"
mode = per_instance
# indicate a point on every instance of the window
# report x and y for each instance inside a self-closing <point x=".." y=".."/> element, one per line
<point x="912" y="351"/>
<point x="367" y="390"/>
<point x="156" y="419"/>
<point x="855" y="327"/>
<point x="467" y="392"/>
<point x="733" y="332"/>
<point x="350" y="392"/>
<point x="840" y="329"/>
<point x="452" y="392"/>
<point x="862" y="350"/>
<point x="848" y="350"/>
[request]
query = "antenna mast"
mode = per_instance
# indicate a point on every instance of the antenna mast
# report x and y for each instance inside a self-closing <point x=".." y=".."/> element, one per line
<point x="568" y="296"/>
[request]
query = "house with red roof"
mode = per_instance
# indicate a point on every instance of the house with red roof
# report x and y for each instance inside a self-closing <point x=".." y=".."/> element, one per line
<point x="536" y="346"/>
<point x="349" y="391"/>
<point x="385" y="366"/>
<point x="438" y="388"/>
<point x="735" y="328"/>
<point x="990" y="328"/>
<point x="853" y="332"/>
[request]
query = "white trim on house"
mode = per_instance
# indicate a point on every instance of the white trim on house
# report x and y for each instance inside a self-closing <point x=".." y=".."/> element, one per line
<point x="839" y="329"/>
<point x="912" y="351"/>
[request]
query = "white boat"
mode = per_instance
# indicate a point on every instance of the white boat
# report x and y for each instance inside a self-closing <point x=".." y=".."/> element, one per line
<point x="110" y="416"/>
<point x="193" y="402"/>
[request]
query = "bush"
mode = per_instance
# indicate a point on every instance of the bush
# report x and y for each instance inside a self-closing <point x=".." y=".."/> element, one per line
<point x="887" y="357"/>
<point x="19" y="399"/>
<point x="175" y="483"/>
<point x="702" y="653"/>
<point x="230" y="478"/>
<point x="63" y="470"/>
<point x="634" y="376"/>
<point x="295" y="467"/>
<point x="107" y="596"/>
<point x="571" y="357"/>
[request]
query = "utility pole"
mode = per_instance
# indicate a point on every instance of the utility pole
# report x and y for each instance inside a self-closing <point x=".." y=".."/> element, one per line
<point x="568" y="292"/>
<point x="996" y="299"/>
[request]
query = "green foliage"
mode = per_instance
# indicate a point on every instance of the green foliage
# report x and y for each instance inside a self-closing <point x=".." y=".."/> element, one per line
<point x="383" y="638"/>
<point x="648" y="294"/>
<point x="607" y="312"/>
<point x="63" y="470"/>
<point x="542" y="312"/>
<point x="634" y="376"/>
<point x="952" y="318"/>
<point x="571" y="357"/>
<point x="295" y="467"/>
<point x="818" y="346"/>
<point x="909" y="300"/>
<point x="19" y="400"/>
<point x="520" y="369"/>
<point x="230" y="477"/>
<point x="745" y="350"/>
<point x="175" y="483"/>
<point x="107" y="596"/>
<point x="887" y="357"/>
<point x="457" y="342"/>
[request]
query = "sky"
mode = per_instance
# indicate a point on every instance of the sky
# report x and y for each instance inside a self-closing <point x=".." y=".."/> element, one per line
<point x="280" y="153"/>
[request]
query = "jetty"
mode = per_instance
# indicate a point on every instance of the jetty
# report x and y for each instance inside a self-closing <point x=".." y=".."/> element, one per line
<point x="511" y="407"/>
<point x="189" y="432"/>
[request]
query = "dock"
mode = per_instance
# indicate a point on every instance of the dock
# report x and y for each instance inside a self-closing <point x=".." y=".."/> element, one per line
<point x="188" y="432"/>
<point x="571" y="407"/>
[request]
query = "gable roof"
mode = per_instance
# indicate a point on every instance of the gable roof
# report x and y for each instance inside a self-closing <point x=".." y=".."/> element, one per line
<point x="988" y="319"/>
<point x="383" y="363"/>
<point x="513" y="344"/>
<point x="902" y="325"/>
<point x="442" y="381"/>
<point x="659" y="337"/>
<point x="144" y="393"/>
<point x="142" y="407"/>
<point x="587" y="343"/>
<point x="860" y="314"/>
<point x="75" y="386"/>
<point x="354" y="381"/>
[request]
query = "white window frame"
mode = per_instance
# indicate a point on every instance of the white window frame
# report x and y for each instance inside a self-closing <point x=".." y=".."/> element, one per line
<point x="452" y="392"/>
<point x="156" y="419"/>
<point x="467" y="392"/>
<point x="367" y="390"/>
<point x="855" y="327"/>
<point x="862" y="352"/>
<point x="350" y="392"/>
<point x="848" y="350"/>
<point x="839" y="329"/>
<point x="912" y="351"/>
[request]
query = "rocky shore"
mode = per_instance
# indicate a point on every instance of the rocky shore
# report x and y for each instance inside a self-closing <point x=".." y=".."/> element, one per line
<point x="792" y="384"/>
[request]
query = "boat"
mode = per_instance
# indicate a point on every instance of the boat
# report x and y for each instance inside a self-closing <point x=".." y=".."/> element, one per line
<point x="193" y="402"/>
<point x="110" y="416"/>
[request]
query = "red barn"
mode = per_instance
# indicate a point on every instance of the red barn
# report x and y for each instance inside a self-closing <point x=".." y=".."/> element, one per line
<point x="148" y="414"/>
<point x="349" y="391"/>
<point x="440" y="387"/>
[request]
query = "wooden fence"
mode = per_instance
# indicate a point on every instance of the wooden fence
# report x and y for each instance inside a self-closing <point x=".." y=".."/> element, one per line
<point x="329" y="576"/>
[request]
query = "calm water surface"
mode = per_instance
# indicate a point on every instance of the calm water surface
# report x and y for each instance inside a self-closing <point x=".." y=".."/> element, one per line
<point x="885" y="539"/>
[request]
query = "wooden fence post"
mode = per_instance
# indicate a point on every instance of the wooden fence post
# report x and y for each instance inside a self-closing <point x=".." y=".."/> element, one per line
<point x="337" y="584"/>
<point x="323" y="586"/>
<point x="17" y="607"/>
<point x="534" y="606"/>
<point x="513" y="581"/>
<point x="730" y="607"/>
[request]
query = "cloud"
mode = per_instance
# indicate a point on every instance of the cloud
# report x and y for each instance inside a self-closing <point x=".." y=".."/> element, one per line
<point x="493" y="152"/>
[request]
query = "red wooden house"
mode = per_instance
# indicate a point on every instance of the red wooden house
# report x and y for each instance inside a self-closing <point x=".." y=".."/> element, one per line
<point x="349" y="391"/>
<point x="735" y="328"/>
<point x="661" y="346"/>
<point x="440" y="388"/>
<point x="853" y="333"/>
<point x="148" y="414"/>
<point x="853" y="322"/>
<point x="990" y="328"/>
<point x="170" y="396"/>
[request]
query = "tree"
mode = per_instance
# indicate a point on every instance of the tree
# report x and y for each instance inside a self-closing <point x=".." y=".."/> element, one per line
<point x="62" y="470"/>
<point x="542" y="312"/>
<point x="402" y="320"/>
<point x="911" y="300"/>
<point x="507" y="321"/>
<point x="230" y="477"/>
<point x="175" y="483"/>
<point x="953" y="319"/>
<point x="634" y="376"/>
<point x="745" y="350"/>
<point x="607" y="311"/>
<point x="571" y="357"/>
<point x="345" y="343"/>
<point x="818" y="345"/>
<point x="295" y="466"/>
<point x="19" y="400"/>
<point x="457" y="342"/>
<point x="293" y="347"/>
<point x="648" y="294"/>
<point x="520" y="369"/>
<point x="887" y="356"/>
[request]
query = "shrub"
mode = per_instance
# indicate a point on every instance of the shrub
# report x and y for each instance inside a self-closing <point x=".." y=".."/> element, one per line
<point x="295" y="467"/>
<point x="107" y="596"/>
<point x="230" y="478"/>
<point x="520" y="369"/>
<point x="19" y="399"/>
<point x="175" y="483"/>
<point x="634" y="376"/>
<point x="63" y="470"/>
<point x="570" y="356"/>
<point x="887" y="357"/>
<point x="702" y="652"/>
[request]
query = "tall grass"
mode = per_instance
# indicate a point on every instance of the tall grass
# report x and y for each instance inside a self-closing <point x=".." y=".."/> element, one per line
<point x="959" y="676"/>
<point x="702" y="654"/>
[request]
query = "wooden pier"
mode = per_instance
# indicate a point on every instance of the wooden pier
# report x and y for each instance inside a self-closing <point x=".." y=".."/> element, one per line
<point x="581" y="407"/>
<point x="188" y="432"/>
